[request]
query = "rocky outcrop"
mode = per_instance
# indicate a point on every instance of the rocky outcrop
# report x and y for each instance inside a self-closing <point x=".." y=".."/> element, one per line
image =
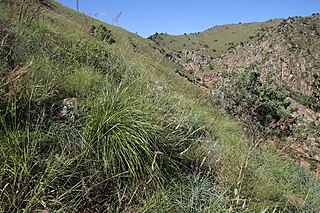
<point x="189" y="60"/>
<point x="290" y="52"/>
<point x="195" y="60"/>
<point x="208" y="79"/>
<point x="306" y="153"/>
<point x="91" y="30"/>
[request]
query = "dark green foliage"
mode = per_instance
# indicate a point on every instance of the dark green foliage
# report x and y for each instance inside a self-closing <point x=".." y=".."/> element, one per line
<point x="85" y="53"/>
<point x="260" y="104"/>
<point x="104" y="34"/>
<point x="89" y="53"/>
<point x="314" y="100"/>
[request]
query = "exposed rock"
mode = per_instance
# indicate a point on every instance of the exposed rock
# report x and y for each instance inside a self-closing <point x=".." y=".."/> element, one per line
<point x="303" y="113"/>
<point x="307" y="153"/>
<point x="67" y="112"/>
<point x="189" y="60"/>
<point x="196" y="60"/>
<point x="208" y="79"/>
<point x="284" y="52"/>
<point x="160" y="89"/>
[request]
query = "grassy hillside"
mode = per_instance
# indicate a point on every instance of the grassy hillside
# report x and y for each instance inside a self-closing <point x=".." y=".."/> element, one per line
<point x="215" y="41"/>
<point x="195" y="52"/>
<point x="99" y="122"/>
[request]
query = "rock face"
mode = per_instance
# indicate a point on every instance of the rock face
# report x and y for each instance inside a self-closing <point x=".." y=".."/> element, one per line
<point x="306" y="146"/>
<point x="207" y="79"/>
<point x="195" y="60"/>
<point x="91" y="30"/>
<point x="290" y="52"/>
<point x="189" y="60"/>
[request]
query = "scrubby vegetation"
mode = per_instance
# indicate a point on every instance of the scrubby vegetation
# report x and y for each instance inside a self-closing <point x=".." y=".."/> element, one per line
<point x="261" y="105"/>
<point x="85" y="127"/>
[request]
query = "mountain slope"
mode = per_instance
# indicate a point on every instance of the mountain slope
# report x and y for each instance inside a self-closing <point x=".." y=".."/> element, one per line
<point x="287" y="57"/>
<point x="289" y="51"/>
<point x="281" y="63"/>
<point x="194" y="52"/>
<point x="214" y="41"/>
<point x="94" y="119"/>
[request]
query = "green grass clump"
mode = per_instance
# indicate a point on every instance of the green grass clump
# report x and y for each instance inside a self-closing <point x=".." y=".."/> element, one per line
<point x="190" y="193"/>
<point x="122" y="134"/>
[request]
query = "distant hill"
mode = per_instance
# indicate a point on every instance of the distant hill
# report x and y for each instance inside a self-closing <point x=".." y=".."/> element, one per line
<point x="214" y="41"/>
<point x="290" y="51"/>
<point x="288" y="48"/>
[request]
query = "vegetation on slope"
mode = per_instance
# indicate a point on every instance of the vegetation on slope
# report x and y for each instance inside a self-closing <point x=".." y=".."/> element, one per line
<point x="284" y="99"/>
<point x="195" y="52"/>
<point x="88" y="125"/>
<point x="286" y="59"/>
<point x="215" y="41"/>
<point x="289" y="51"/>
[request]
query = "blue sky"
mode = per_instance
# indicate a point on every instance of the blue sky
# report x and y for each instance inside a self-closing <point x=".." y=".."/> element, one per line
<point x="184" y="16"/>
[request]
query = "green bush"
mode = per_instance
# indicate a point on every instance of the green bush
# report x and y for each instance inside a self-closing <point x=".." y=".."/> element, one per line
<point x="260" y="104"/>
<point x="104" y="34"/>
<point x="314" y="100"/>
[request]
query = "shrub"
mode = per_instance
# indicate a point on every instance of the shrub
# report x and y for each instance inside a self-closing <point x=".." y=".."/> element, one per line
<point x="314" y="100"/>
<point x="260" y="104"/>
<point x="104" y="34"/>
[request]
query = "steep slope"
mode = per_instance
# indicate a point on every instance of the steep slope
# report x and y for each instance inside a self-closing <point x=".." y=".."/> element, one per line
<point x="290" y="52"/>
<point x="287" y="57"/>
<point x="94" y="119"/>
<point x="138" y="50"/>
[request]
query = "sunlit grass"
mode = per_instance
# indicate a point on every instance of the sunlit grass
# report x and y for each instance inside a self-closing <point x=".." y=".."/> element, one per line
<point x="140" y="138"/>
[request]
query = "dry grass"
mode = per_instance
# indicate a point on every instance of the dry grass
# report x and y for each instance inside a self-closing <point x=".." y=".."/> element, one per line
<point x="14" y="80"/>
